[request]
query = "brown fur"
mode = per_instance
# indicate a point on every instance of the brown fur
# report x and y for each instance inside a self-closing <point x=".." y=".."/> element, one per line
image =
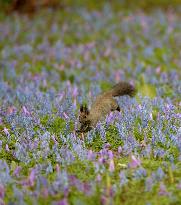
<point x="30" y="6"/>
<point x="103" y="105"/>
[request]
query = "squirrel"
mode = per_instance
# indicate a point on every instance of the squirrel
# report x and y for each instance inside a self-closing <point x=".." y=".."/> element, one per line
<point x="103" y="105"/>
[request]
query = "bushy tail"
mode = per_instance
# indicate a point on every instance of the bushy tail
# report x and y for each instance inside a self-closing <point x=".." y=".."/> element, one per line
<point x="123" y="88"/>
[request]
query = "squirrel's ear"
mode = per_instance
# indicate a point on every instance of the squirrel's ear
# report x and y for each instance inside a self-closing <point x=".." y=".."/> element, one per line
<point x="81" y="108"/>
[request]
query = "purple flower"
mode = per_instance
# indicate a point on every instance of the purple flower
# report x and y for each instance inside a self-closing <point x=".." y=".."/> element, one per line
<point x="32" y="177"/>
<point x="62" y="202"/>
<point x="140" y="173"/>
<point x="162" y="190"/>
<point x="107" y="146"/>
<point x="17" y="171"/>
<point x="123" y="178"/>
<point x="149" y="184"/>
<point x="179" y="185"/>
<point x="134" y="162"/>
<point x="159" y="174"/>
<point x="104" y="200"/>
<point x="110" y="154"/>
<point x="65" y="115"/>
<point x="120" y="149"/>
<point x="25" y="111"/>
<point x="5" y="130"/>
<point x="98" y="178"/>
<point x="87" y="189"/>
<point x="101" y="160"/>
<point x="7" y="148"/>
<point x="45" y="192"/>
<point x="57" y="167"/>
<point x="90" y="155"/>
<point x="2" y="191"/>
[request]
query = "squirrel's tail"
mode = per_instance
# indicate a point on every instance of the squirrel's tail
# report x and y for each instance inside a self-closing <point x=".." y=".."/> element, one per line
<point x="122" y="88"/>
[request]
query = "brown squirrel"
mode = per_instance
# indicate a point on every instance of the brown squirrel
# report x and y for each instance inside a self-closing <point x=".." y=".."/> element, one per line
<point x="103" y="105"/>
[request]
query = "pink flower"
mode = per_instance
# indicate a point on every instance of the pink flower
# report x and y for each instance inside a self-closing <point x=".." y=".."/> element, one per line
<point x="11" y="109"/>
<point x="65" y="115"/>
<point x="26" y="112"/>
<point x="57" y="168"/>
<point x="134" y="162"/>
<point x="5" y="130"/>
<point x="158" y="70"/>
<point x="2" y="191"/>
<point x="111" y="165"/>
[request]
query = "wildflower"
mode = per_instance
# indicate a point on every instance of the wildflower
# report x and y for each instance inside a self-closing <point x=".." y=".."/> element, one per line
<point x="104" y="200"/>
<point x="90" y="155"/>
<point x="75" y="92"/>
<point x="62" y="202"/>
<point x="2" y="191"/>
<point x="134" y="162"/>
<point x="123" y="178"/>
<point x="159" y="174"/>
<point x="162" y="190"/>
<point x="111" y="165"/>
<point x="101" y="160"/>
<point x="54" y="140"/>
<point x="140" y="173"/>
<point x="65" y="115"/>
<point x="110" y="154"/>
<point x="179" y="185"/>
<point x="31" y="178"/>
<point x="11" y="110"/>
<point x="98" y="178"/>
<point x="107" y="146"/>
<point x="5" y="130"/>
<point x="120" y="149"/>
<point x="149" y="184"/>
<point x="87" y="189"/>
<point x="7" y="148"/>
<point x="57" y="167"/>
<point x="45" y="192"/>
<point x="17" y="171"/>
<point x="25" y="111"/>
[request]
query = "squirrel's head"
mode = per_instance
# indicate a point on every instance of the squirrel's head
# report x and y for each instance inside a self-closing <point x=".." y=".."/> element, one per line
<point x="84" y="112"/>
<point x="83" y="119"/>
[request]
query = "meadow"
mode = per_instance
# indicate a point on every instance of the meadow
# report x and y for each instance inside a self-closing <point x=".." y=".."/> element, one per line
<point x="55" y="60"/>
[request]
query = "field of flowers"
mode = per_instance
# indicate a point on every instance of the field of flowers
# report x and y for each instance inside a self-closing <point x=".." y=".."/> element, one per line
<point x="52" y="62"/>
